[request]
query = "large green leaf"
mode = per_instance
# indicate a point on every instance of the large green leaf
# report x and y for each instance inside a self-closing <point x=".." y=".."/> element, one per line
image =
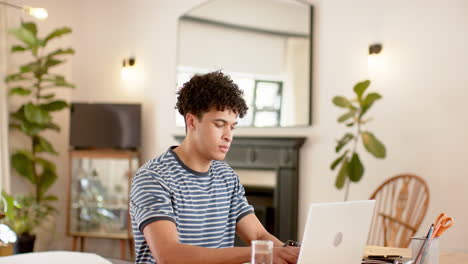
<point x="24" y="165"/>
<point x="341" y="101"/>
<point x="35" y="114"/>
<point x="50" y="198"/>
<point x="51" y="126"/>
<point x="50" y="62"/>
<point x="56" y="33"/>
<point x="343" y="141"/>
<point x="355" y="169"/>
<point x="9" y="210"/>
<point x="46" y="179"/>
<point x="54" y="106"/>
<point x="24" y="35"/>
<point x="338" y="160"/>
<point x="61" y="52"/>
<point x="45" y="163"/>
<point x="31" y="27"/>
<point x="373" y="145"/>
<point x="19" y="91"/>
<point x="18" y="48"/>
<point x="346" y="116"/>
<point x="15" y="77"/>
<point x="58" y="80"/>
<point x="368" y="102"/>
<point x="360" y="88"/>
<point x="30" y="67"/>
<point x="30" y="129"/>
<point x="342" y="174"/>
<point x="43" y="145"/>
<point x="47" y="96"/>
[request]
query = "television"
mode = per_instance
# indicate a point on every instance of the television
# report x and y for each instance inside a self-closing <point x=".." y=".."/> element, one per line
<point x="105" y="125"/>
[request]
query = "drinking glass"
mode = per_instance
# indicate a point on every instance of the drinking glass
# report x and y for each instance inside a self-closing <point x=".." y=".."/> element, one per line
<point x="262" y="252"/>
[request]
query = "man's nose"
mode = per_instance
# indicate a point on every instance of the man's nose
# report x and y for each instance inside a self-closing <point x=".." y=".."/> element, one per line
<point x="228" y="134"/>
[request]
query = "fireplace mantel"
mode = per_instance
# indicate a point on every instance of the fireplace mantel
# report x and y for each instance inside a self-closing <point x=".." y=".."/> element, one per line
<point x="280" y="154"/>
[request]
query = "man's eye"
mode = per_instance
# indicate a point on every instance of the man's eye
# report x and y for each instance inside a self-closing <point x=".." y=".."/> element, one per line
<point x="218" y="125"/>
<point x="233" y="127"/>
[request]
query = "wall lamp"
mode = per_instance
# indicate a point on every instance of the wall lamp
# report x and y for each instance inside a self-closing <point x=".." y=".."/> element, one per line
<point x="37" y="12"/>
<point x="127" y="71"/>
<point x="375" y="49"/>
<point x="375" y="61"/>
<point x="130" y="62"/>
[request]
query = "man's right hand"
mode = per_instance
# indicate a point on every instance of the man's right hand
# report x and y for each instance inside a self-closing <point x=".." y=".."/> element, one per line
<point x="285" y="255"/>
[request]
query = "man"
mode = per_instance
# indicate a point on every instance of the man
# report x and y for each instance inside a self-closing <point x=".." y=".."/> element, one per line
<point x="187" y="204"/>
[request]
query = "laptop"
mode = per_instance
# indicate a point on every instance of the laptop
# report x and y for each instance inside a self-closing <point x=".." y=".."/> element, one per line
<point x="336" y="233"/>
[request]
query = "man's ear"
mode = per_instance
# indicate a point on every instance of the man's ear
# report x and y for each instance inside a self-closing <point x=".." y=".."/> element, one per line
<point x="190" y="121"/>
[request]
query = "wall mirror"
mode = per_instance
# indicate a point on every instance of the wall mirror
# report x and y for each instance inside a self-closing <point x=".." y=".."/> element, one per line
<point x="264" y="45"/>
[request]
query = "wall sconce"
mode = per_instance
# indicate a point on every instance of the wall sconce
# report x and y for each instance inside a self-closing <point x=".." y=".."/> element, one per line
<point x="375" y="49"/>
<point x="128" y="65"/>
<point x="373" y="60"/>
<point x="37" y="12"/>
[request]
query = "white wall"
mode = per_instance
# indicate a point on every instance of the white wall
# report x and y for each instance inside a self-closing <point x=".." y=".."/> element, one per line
<point x="420" y="118"/>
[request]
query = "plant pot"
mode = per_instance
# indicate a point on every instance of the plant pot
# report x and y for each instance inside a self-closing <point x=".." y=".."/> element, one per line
<point x="25" y="243"/>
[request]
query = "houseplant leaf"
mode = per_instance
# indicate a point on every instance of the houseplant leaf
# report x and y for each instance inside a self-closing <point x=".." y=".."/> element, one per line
<point x="46" y="179"/>
<point x="373" y="145"/>
<point x="338" y="160"/>
<point x="15" y="77"/>
<point x="54" y="106"/>
<point x="19" y="91"/>
<point x="35" y="114"/>
<point x="346" y="116"/>
<point x="341" y="101"/>
<point x="343" y="141"/>
<point x="61" y="52"/>
<point x="43" y="145"/>
<point x="355" y="169"/>
<point x="360" y="88"/>
<point x="24" y="35"/>
<point x="56" y="33"/>
<point x="18" y="48"/>
<point x="368" y="102"/>
<point x="342" y="174"/>
<point x="31" y="27"/>
<point x="24" y="165"/>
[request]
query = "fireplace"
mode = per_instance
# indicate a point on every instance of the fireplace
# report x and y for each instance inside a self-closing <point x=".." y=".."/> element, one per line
<point x="275" y="198"/>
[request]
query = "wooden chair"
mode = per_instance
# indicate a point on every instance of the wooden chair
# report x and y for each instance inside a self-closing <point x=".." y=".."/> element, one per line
<point x="401" y="204"/>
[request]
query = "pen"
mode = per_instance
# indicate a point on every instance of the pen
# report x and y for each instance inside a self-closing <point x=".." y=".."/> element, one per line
<point x="419" y="258"/>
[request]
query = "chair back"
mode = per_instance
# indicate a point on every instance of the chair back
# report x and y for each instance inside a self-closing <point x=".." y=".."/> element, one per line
<point x="401" y="204"/>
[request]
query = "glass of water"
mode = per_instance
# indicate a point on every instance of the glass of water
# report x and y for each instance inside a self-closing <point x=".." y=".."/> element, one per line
<point x="262" y="252"/>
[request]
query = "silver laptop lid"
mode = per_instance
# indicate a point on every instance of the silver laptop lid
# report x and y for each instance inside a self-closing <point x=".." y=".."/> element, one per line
<point x="336" y="233"/>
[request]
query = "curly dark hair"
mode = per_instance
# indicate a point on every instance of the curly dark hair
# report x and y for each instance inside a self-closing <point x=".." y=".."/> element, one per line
<point x="206" y="91"/>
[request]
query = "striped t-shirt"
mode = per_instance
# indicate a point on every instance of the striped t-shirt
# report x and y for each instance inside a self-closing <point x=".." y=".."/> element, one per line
<point x="205" y="207"/>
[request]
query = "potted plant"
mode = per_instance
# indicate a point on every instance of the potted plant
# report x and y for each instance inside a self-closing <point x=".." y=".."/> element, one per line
<point x="35" y="84"/>
<point x="351" y="167"/>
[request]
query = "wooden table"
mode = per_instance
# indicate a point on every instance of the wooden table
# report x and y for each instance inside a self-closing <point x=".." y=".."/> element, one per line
<point x="444" y="257"/>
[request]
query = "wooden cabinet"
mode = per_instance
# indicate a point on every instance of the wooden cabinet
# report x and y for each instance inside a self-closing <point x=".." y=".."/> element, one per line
<point x="98" y="205"/>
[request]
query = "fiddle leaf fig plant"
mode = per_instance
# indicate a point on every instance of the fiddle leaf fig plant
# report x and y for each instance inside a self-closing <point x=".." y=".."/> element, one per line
<point x="34" y="85"/>
<point x="349" y="162"/>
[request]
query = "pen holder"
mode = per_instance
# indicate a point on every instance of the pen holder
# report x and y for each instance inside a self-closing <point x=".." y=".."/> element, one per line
<point x="426" y="248"/>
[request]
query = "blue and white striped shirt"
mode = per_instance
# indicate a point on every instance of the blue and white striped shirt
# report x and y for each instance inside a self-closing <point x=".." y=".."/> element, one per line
<point x="204" y="206"/>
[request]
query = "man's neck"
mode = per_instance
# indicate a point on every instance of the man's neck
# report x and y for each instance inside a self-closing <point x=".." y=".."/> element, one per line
<point x="189" y="155"/>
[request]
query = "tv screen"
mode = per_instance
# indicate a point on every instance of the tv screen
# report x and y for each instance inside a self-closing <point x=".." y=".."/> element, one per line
<point x="104" y="125"/>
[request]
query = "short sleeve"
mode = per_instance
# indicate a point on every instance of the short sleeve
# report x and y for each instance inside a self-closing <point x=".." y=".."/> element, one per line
<point x="150" y="200"/>
<point x="243" y="207"/>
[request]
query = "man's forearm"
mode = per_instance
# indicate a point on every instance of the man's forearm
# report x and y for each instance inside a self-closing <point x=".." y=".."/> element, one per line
<point x="182" y="253"/>
<point x="268" y="236"/>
